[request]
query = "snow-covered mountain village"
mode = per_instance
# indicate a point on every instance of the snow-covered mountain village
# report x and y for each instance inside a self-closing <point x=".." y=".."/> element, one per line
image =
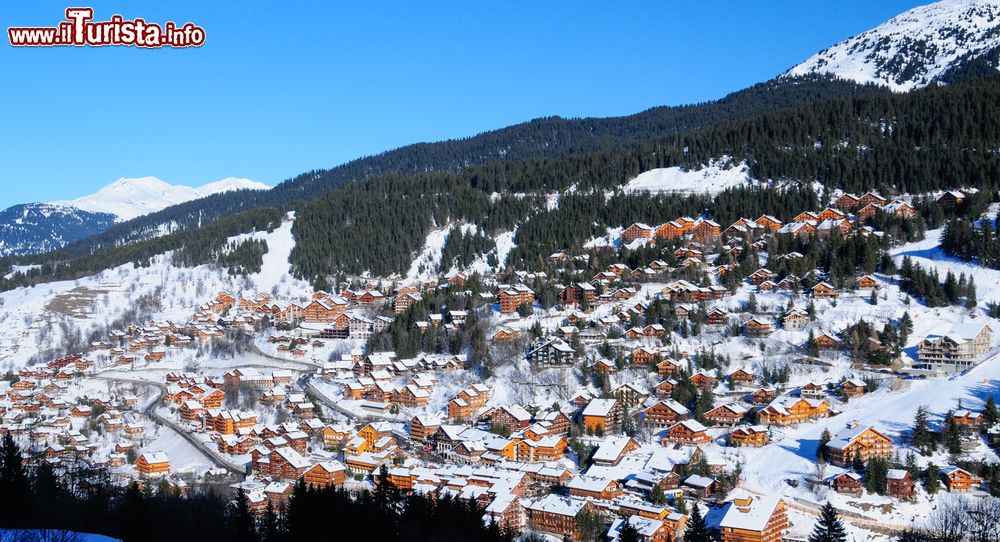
<point x="772" y="317"/>
<point x="637" y="394"/>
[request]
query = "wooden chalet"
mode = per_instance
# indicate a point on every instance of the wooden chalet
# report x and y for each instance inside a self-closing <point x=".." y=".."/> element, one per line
<point x="742" y="377"/>
<point x="557" y="515"/>
<point x="664" y="413"/>
<point x="857" y="441"/>
<point x="824" y="290"/>
<point x="847" y="483"/>
<point x="826" y="340"/>
<point x="959" y="480"/>
<point x="763" y="396"/>
<point x="753" y="436"/>
<point x="602" y="415"/>
<point x="513" y="297"/>
<point x="746" y="517"/>
<point x="728" y="414"/>
<point x="852" y="387"/>
<point x="846" y="202"/>
<point x="758" y="327"/>
<point x="793" y="412"/>
<point x="153" y="464"/>
<point x="686" y="432"/>
<point x="718" y="317"/>
<point x="637" y="230"/>
<point x="769" y="222"/>
<point x="900" y="484"/>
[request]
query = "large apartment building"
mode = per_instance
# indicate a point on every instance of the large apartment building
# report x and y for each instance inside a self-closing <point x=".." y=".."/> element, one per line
<point x="955" y="348"/>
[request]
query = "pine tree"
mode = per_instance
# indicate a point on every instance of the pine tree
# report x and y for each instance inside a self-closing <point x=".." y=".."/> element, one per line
<point x="876" y="475"/>
<point x="811" y="346"/>
<point x="680" y="504"/>
<point x="911" y="465"/>
<point x="905" y="328"/>
<point x="822" y="452"/>
<point x="269" y="528"/>
<point x="656" y="495"/>
<point x="857" y="464"/>
<point x="697" y="530"/>
<point x="241" y="521"/>
<point x="628" y="533"/>
<point x="829" y="527"/>
<point x="932" y="483"/>
<point x="990" y="412"/>
<point x="920" y="436"/>
<point x="13" y="484"/>
<point x="952" y="434"/>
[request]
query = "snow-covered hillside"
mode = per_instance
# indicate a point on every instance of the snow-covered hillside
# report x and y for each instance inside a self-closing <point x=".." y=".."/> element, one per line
<point x="129" y="198"/>
<point x="33" y="228"/>
<point x="47" y="317"/>
<point x="711" y="179"/>
<point x="40" y="227"/>
<point x="914" y="48"/>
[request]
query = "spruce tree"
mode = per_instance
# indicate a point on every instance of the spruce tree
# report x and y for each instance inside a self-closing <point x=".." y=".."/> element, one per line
<point x="822" y="451"/>
<point x="656" y="495"/>
<point x="697" y="530"/>
<point x="990" y="412"/>
<point x="13" y="484"/>
<point x="920" y="436"/>
<point x="628" y="532"/>
<point x="932" y="483"/>
<point x="952" y="435"/>
<point x="857" y="464"/>
<point x="829" y="527"/>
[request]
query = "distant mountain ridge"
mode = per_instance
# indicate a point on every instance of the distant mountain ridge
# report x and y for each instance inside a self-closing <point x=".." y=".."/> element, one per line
<point x="129" y="198"/>
<point x="915" y="48"/>
<point x="40" y="227"/>
<point x="33" y="228"/>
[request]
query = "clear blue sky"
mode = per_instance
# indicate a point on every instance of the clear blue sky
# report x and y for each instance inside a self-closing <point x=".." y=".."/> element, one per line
<point x="283" y="87"/>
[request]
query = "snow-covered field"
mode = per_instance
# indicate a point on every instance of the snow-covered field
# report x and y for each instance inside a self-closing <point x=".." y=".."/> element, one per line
<point x="710" y="179"/>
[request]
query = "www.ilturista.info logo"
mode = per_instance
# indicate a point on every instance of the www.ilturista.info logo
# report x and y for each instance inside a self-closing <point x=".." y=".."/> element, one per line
<point x="79" y="29"/>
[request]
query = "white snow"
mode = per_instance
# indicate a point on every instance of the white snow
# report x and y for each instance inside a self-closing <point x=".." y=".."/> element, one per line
<point x="42" y="317"/>
<point x="929" y="255"/>
<point x="921" y="44"/>
<point x="426" y="263"/>
<point x="716" y="176"/>
<point x="129" y="198"/>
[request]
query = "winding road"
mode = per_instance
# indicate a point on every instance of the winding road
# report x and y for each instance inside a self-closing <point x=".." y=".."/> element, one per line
<point x="150" y="411"/>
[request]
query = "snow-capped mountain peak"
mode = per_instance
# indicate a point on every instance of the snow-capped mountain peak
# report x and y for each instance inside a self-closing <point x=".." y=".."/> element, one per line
<point x="129" y="198"/>
<point x="913" y="48"/>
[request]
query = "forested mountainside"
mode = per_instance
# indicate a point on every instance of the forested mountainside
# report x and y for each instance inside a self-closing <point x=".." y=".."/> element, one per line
<point x="904" y="143"/>
<point x="40" y="227"/>
<point x="896" y="143"/>
<point x="546" y="137"/>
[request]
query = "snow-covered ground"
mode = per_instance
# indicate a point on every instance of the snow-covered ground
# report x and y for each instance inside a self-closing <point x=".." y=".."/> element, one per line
<point x="911" y="49"/>
<point x="929" y="255"/>
<point x="713" y="178"/>
<point x="47" y="316"/>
